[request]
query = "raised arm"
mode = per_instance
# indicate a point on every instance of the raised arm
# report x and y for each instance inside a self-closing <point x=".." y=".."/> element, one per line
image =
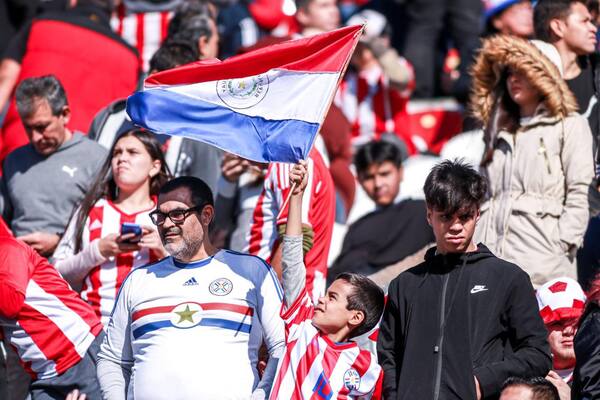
<point x="293" y="268"/>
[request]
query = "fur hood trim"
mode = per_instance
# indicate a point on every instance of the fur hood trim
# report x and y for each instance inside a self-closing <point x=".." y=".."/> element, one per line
<point x="501" y="52"/>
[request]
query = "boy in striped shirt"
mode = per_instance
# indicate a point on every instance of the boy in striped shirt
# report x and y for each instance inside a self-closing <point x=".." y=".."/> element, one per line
<point x="320" y="362"/>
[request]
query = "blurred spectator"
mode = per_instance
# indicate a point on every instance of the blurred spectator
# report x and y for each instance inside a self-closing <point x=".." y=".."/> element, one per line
<point x="270" y="216"/>
<point x="93" y="254"/>
<point x="586" y="377"/>
<point x="561" y="302"/>
<point x="460" y="287"/>
<point x="56" y="334"/>
<point x="426" y="20"/>
<point x="78" y="46"/>
<point x="44" y="180"/>
<point x="367" y="247"/>
<point x="13" y="13"/>
<point x="538" y="158"/>
<point x="143" y="24"/>
<point x="509" y="17"/>
<point x="528" y="389"/>
<point x="374" y="93"/>
<point x="194" y="38"/>
<point x="567" y="24"/>
<point x="238" y="188"/>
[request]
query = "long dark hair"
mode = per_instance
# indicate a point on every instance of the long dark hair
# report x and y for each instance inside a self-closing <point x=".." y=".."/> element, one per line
<point x="105" y="186"/>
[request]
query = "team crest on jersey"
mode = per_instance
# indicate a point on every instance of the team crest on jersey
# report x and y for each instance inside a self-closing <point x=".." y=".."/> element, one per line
<point x="220" y="287"/>
<point x="186" y="315"/>
<point x="243" y="92"/>
<point x="351" y="379"/>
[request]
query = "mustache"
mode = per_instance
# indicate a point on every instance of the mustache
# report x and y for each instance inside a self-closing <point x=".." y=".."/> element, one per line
<point x="174" y="229"/>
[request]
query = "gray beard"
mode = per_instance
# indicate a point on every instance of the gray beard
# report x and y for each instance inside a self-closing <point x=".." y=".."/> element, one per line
<point x="186" y="251"/>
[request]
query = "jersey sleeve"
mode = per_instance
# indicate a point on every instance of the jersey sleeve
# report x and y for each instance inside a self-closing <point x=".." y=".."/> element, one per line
<point x="116" y="346"/>
<point x="269" y="302"/>
<point x="16" y="264"/>
<point x="294" y="316"/>
<point x="15" y="270"/>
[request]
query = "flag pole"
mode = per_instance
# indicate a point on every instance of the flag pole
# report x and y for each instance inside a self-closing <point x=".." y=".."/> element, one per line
<point x="340" y="78"/>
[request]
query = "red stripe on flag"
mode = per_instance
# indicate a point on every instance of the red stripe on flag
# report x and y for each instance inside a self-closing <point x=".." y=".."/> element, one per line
<point x="326" y="52"/>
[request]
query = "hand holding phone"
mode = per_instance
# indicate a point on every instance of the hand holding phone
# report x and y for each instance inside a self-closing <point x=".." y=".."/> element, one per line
<point x="131" y="233"/>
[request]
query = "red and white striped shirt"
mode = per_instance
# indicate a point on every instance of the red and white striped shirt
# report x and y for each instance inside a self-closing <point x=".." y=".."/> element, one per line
<point x="144" y="31"/>
<point x="318" y="212"/>
<point x="54" y="328"/>
<point x="314" y="367"/>
<point x="102" y="283"/>
<point x="373" y="107"/>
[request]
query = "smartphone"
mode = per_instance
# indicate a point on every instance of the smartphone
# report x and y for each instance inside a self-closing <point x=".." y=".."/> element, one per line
<point x="127" y="227"/>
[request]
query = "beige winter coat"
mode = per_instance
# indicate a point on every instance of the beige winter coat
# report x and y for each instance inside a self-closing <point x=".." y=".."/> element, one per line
<point x="540" y="172"/>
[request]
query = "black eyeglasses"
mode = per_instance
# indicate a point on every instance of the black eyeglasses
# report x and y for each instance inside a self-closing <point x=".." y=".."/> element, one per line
<point x="176" y="216"/>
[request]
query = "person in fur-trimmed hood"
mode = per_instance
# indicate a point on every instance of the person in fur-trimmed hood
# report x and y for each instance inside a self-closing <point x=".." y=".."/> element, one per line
<point x="538" y="157"/>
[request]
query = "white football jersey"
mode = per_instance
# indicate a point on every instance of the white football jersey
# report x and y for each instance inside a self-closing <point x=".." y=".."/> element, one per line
<point x="196" y="328"/>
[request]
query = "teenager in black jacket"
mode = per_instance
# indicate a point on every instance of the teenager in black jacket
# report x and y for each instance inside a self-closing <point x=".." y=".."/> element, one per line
<point x="463" y="321"/>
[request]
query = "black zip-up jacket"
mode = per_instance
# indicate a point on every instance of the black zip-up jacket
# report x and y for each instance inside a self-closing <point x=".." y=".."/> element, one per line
<point x="457" y="316"/>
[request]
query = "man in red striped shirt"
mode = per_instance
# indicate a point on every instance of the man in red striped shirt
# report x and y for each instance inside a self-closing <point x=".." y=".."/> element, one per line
<point x="54" y="332"/>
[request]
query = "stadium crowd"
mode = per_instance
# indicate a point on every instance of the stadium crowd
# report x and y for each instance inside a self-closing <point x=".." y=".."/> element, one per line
<point x="441" y="240"/>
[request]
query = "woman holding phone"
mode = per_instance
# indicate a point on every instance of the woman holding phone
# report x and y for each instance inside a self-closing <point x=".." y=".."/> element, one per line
<point x="111" y="232"/>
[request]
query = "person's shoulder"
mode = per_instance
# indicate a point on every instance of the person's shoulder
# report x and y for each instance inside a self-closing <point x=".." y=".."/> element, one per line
<point x="242" y="261"/>
<point x="10" y="244"/>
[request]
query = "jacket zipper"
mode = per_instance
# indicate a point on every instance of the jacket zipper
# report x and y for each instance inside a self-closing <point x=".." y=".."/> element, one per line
<point x="544" y="151"/>
<point x="437" y="349"/>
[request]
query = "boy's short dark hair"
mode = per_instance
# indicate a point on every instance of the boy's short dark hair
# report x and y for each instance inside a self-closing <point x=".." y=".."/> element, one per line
<point x="377" y="152"/>
<point x="173" y="53"/>
<point x="452" y="186"/>
<point x="200" y="192"/>
<point x="366" y="297"/>
<point x="541" y="388"/>
<point x="547" y="10"/>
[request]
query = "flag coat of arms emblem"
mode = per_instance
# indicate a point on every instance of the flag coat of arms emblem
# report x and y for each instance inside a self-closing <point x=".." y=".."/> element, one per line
<point x="266" y="105"/>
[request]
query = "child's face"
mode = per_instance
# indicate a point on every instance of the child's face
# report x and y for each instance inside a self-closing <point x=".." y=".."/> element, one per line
<point x="331" y="314"/>
<point x="453" y="233"/>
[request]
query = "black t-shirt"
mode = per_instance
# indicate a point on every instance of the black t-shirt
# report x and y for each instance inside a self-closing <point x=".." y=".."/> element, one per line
<point x="582" y="87"/>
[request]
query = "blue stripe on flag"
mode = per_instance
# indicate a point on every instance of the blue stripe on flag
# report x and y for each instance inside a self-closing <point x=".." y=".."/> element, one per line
<point x="254" y="138"/>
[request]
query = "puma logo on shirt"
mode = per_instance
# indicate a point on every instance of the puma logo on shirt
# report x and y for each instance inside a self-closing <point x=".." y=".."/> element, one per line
<point x="69" y="170"/>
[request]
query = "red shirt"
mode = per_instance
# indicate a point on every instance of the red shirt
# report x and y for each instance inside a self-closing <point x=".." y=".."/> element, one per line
<point x="50" y="327"/>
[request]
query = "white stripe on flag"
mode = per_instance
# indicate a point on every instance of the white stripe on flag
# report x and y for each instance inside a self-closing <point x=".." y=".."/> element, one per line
<point x="289" y="95"/>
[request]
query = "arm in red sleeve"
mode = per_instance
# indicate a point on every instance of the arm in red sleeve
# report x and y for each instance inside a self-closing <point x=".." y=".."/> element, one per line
<point x="15" y="262"/>
<point x="12" y="301"/>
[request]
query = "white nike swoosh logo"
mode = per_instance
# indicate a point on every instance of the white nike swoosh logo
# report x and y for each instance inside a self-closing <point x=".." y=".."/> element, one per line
<point x="477" y="290"/>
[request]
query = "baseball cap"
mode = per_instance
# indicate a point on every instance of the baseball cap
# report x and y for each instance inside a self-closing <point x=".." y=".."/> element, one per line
<point x="494" y="7"/>
<point x="559" y="299"/>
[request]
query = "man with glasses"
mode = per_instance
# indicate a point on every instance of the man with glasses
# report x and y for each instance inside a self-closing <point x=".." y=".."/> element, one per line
<point x="44" y="180"/>
<point x="193" y="321"/>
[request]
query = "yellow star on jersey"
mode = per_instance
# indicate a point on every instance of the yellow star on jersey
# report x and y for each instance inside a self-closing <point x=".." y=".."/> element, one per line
<point x="186" y="315"/>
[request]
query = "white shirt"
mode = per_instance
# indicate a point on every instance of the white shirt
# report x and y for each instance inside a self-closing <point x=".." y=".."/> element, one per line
<point x="195" y="328"/>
